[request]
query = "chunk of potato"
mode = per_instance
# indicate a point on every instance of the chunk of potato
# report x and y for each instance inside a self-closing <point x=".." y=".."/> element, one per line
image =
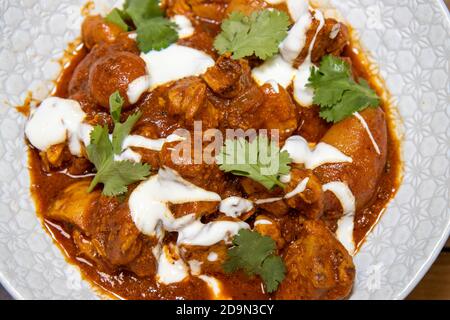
<point x="318" y="266"/>
<point x="363" y="174"/>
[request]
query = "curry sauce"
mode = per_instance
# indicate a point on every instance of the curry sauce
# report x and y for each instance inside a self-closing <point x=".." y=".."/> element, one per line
<point x="129" y="280"/>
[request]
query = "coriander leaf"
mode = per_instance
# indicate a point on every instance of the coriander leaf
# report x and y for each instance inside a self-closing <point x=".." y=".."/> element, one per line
<point x="337" y="93"/>
<point x="273" y="272"/>
<point x="121" y="130"/>
<point x="259" y="160"/>
<point x="255" y="255"/>
<point x="117" y="175"/>
<point x="100" y="149"/>
<point x="115" y="106"/>
<point x="114" y="175"/>
<point x="156" y="34"/>
<point x="259" y="34"/>
<point x="142" y="10"/>
<point x="249" y="251"/>
<point x="116" y="17"/>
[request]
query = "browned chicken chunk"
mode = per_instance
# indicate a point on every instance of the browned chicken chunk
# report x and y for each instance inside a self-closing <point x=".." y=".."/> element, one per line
<point x="318" y="266"/>
<point x="74" y="205"/>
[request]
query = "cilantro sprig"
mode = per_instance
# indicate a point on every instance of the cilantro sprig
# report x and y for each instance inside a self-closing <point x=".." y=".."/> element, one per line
<point x="259" y="34"/>
<point x="114" y="175"/>
<point x="154" y="31"/>
<point x="337" y="93"/>
<point x="255" y="255"/>
<point x="259" y="160"/>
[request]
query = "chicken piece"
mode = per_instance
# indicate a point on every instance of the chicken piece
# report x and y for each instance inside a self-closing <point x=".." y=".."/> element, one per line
<point x="311" y="126"/>
<point x="175" y="7"/>
<point x="122" y="241"/>
<point x="200" y="208"/>
<point x="145" y="264"/>
<point x="200" y="40"/>
<point x="318" y="266"/>
<point x="309" y="202"/>
<point x="267" y="226"/>
<point x="223" y="77"/>
<point x="55" y="157"/>
<point x="251" y="187"/>
<point x="187" y="99"/>
<point x="291" y="226"/>
<point x="114" y="72"/>
<point x="96" y="30"/>
<point x="87" y="249"/>
<point x="210" y="259"/>
<point x="189" y="163"/>
<point x="331" y="39"/>
<point x="74" y="205"/>
<point x="363" y="174"/>
<point x="95" y="115"/>
<point x="310" y="35"/>
<point x="247" y="6"/>
<point x="257" y="191"/>
<point x="79" y="166"/>
<point x="55" y="154"/>
<point x="278" y="112"/>
<point x="243" y="111"/>
<point x="207" y="10"/>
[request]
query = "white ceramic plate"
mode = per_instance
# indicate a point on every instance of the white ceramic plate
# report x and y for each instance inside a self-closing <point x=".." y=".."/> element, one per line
<point x="408" y="39"/>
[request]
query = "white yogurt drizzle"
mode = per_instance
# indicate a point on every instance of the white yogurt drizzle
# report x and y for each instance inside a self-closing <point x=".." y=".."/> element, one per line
<point x="212" y="256"/>
<point x="344" y="232"/>
<point x="300" y="152"/>
<point x="199" y="234"/>
<point x="268" y="200"/>
<point x="235" y="206"/>
<point x="171" y="268"/>
<point x="129" y="155"/>
<point x="149" y="201"/>
<point x="275" y="69"/>
<point x="369" y="133"/>
<point x="262" y="222"/>
<point x="172" y="63"/>
<point x="137" y="88"/>
<point x="184" y="26"/>
<point x="59" y="120"/>
<point x="195" y="266"/>
<point x="56" y="121"/>
<point x="215" y="287"/>
<point x="175" y="62"/>
<point x="303" y="94"/>
<point x="295" y="7"/>
<point x="298" y="189"/>
<point x="279" y="68"/>
<point x="293" y="44"/>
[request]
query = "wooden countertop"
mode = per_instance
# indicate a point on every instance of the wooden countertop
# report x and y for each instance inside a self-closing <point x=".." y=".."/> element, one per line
<point x="436" y="283"/>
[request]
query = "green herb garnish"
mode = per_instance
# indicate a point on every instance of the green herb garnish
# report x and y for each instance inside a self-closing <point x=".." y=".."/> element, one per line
<point x="114" y="175"/>
<point x="154" y="31"/>
<point x="116" y="16"/>
<point x="259" y="160"/>
<point x="337" y="93"/>
<point x="255" y="255"/>
<point x="259" y="34"/>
